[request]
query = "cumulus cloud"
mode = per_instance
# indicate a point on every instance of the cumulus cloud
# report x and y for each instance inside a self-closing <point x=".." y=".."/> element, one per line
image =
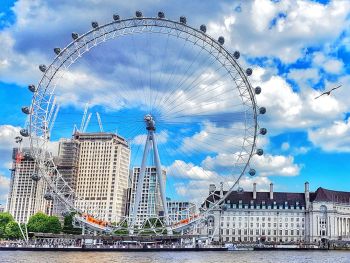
<point x="266" y="165"/>
<point x="182" y="169"/>
<point x="198" y="190"/>
<point x="275" y="165"/>
<point x="304" y="77"/>
<point x="290" y="26"/>
<point x="4" y="188"/>
<point x="7" y="143"/>
<point x="329" y="64"/>
<point x="332" y="138"/>
<point x="290" y="110"/>
<point x="210" y="135"/>
<point x="162" y="138"/>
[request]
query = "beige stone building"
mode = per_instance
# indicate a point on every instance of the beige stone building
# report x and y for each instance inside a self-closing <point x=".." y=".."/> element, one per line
<point x="101" y="174"/>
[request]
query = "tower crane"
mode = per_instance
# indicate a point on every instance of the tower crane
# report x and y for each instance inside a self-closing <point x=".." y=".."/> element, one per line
<point x="99" y="121"/>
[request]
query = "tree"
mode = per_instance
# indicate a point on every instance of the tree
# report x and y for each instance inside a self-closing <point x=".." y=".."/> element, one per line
<point x="12" y="230"/>
<point x="53" y="225"/>
<point x="68" y="225"/>
<point x="37" y="223"/>
<point x="42" y="223"/>
<point x="5" y="218"/>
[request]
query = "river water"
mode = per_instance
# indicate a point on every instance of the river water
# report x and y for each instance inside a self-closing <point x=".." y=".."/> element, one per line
<point x="178" y="257"/>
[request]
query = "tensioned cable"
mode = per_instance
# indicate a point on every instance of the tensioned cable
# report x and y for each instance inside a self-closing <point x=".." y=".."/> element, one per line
<point x="174" y="68"/>
<point x="194" y="89"/>
<point x="160" y="75"/>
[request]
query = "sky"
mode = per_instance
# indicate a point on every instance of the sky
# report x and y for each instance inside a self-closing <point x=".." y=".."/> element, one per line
<point x="297" y="50"/>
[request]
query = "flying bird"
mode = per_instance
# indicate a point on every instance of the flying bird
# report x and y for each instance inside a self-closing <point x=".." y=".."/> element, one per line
<point x="328" y="92"/>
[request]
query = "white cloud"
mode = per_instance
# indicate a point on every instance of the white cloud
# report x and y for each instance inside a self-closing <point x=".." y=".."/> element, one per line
<point x="265" y="165"/>
<point x="7" y="143"/>
<point x="275" y="165"/>
<point x="332" y="138"/>
<point x="182" y="169"/>
<point x="262" y="183"/>
<point x="207" y="139"/>
<point x="289" y="110"/>
<point x="198" y="190"/>
<point x="7" y="136"/>
<point x="304" y="77"/>
<point x="329" y="64"/>
<point x="162" y="138"/>
<point x="4" y="188"/>
<point x="334" y="66"/>
<point x="290" y="26"/>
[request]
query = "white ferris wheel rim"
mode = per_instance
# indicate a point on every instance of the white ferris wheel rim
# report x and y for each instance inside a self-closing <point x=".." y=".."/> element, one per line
<point x="39" y="119"/>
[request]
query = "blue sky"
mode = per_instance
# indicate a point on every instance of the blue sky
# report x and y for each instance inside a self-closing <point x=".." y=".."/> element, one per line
<point x="297" y="49"/>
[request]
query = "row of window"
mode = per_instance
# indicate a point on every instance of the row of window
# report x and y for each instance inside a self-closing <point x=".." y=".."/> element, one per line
<point x="262" y="232"/>
<point x="286" y="225"/>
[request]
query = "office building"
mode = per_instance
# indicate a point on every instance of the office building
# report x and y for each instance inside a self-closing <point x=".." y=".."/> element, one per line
<point x="26" y="196"/>
<point x="102" y="173"/>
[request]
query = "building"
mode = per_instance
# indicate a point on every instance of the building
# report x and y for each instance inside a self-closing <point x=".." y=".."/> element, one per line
<point x="2" y="208"/>
<point x="180" y="210"/>
<point x="279" y="216"/>
<point x="68" y="161"/>
<point x="100" y="173"/>
<point x="151" y="202"/>
<point x="26" y="196"/>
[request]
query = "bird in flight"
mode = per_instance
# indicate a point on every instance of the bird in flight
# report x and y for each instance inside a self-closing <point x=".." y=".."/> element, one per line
<point x="328" y="92"/>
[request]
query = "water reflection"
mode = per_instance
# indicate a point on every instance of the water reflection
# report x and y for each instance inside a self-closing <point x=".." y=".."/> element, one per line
<point x="178" y="257"/>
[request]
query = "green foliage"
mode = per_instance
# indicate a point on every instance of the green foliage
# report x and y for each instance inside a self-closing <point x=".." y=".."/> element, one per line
<point x="8" y="227"/>
<point x="68" y="227"/>
<point x="37" y="223"/>
<point x="5" y="218"/>
<point x="121" y="232"/>
<point x="53" y="225"/>
<point x="12" y="230"/>
<point x="43" y="223"/>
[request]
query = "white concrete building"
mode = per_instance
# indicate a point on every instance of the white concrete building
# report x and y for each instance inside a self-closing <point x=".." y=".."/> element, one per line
<point x="279" y="216"/>
<point x="26" y="196"/>
<point x="151" y="202"/>
<point x="102" y="174"/>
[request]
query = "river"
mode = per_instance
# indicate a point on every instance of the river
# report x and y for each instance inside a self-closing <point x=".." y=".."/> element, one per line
<point x="178" y="257"/>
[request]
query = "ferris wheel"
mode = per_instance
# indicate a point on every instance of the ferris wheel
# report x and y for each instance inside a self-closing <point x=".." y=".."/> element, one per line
<point x="178" y="90"/>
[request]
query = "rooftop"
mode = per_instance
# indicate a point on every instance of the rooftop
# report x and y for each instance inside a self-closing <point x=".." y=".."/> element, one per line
<point x="281" y="198"/>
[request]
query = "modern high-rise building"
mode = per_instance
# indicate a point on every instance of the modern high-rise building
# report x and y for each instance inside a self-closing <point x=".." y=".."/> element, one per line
<point x="100" y="177"/>
<point x="26" y="196"/>
<point x="180" y="210"/>
<point x="150" y="202"/>
<point x="279" y="216"/>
